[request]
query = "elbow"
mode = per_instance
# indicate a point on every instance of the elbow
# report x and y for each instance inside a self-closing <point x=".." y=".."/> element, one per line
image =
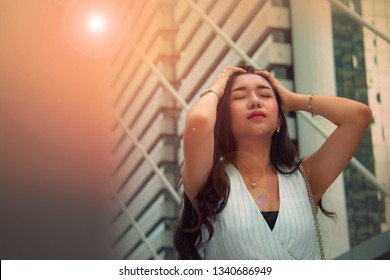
<point x="199" y="121"/>
<point x="364" y="115"/>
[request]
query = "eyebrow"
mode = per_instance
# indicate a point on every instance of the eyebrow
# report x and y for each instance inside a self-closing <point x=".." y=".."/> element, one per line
<point x="257" y="87"/>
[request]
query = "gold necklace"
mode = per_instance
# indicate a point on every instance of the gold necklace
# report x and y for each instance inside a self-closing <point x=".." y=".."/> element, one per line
<point x="253" y="182"/>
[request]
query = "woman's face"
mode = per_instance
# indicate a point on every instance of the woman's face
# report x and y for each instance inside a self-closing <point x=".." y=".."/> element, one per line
<point x="253" y="107"/>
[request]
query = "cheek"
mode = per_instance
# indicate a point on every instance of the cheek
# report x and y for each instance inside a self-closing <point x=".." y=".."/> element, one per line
<point x="234" y="110"/>
<point x="274" y="107"/>
<point x="274" y="110"/>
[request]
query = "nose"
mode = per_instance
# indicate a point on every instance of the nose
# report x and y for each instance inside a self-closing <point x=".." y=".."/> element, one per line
<point x="254" y="102"/>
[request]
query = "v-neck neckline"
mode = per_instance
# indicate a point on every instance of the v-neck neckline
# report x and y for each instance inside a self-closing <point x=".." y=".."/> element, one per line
<point x="253" y="202"/>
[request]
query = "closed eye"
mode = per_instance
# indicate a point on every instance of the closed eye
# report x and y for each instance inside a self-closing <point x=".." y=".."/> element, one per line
<point x="265" y="93"/>
<point x="239" y="94"/>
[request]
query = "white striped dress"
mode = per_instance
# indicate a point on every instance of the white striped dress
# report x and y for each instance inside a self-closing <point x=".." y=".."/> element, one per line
<point x="241" y="232"/>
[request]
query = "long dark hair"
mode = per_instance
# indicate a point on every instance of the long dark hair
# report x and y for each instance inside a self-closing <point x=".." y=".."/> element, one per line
<point x="212" y="198"/>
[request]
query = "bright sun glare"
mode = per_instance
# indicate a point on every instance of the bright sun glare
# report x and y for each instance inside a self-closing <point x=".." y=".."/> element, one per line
<point x="97" y="23"/>
<point x="93" y="27"/>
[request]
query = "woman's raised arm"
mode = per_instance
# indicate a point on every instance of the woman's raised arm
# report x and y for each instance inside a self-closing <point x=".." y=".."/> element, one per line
<point x="351" y="118"/>
<point x="198" y="135"/>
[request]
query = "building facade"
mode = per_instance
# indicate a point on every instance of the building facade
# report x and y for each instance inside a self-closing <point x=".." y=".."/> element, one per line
<point x="174" y="50"/>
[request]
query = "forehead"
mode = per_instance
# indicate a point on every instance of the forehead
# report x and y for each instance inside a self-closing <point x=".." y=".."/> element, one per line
<point x="249" y="80"/>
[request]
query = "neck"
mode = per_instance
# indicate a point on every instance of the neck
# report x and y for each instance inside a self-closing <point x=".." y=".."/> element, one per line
<point x="253" y="158"/>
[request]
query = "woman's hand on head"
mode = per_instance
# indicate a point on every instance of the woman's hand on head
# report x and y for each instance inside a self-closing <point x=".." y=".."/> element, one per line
<point x="221" y="80"/>
<point x="283" y="92"/>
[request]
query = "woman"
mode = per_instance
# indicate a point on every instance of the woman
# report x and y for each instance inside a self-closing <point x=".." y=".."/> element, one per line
<point x="244" y="195"/>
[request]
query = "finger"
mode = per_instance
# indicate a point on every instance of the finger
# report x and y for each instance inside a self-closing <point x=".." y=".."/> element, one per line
<point x="234" y="69"/>
<point x="264" y="72"/>
<point x="268" y="75"/>
<point x="229" y="70"/>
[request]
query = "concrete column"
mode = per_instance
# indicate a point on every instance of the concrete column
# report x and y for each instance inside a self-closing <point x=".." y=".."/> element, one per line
<point x="314" y="73"/>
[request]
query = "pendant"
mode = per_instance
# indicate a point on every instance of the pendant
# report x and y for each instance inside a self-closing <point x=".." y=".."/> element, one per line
<point x="253" y="184"/>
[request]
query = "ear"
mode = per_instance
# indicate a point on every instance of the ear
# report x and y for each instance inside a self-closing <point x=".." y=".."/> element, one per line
<point x="279" y="123"/>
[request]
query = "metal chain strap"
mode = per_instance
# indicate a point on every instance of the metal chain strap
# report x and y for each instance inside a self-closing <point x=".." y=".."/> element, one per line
<point x="315" y="211"/>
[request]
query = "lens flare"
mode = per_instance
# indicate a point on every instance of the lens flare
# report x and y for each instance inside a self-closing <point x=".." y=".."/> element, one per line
<point x="97" y="23"/>
<point x="94" y="27"/>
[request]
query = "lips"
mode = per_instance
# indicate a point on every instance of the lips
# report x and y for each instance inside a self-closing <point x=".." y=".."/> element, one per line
<point x="256" y="115"/>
